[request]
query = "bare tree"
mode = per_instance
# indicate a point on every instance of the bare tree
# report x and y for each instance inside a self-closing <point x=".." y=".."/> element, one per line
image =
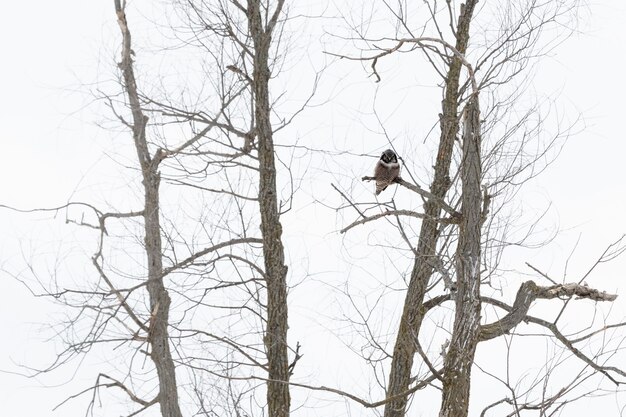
<point x="201" y="261"/>
<point x="193" y="300"/>
<point x="159" y="298"/>
<point x="454" y="245"/>
<point x="252" y="53"/>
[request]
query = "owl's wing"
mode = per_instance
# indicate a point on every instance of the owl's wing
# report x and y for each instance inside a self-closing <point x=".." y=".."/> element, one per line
<point x="395" y="173"/>
<point x="384" y="177"/>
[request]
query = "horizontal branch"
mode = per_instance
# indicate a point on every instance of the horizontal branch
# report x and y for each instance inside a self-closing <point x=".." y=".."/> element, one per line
<point x="419" y="386"/>
<point x="102" y="217"/>
<point x="420" y="42"/>
<point x="208" y="250"/>
<point x="396" y="213"/>
<point x="237" y="346"/>
<point x="426" y="194"/>
<point x="58" y="208"/>
<point x="212" y="190"/>
<point x="367" y="404"/>
<point x="603" y="329"/>
<point x="529" y="292"/>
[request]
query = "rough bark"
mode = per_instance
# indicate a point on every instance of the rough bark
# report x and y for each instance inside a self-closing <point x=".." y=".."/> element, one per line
<point x="529" y="292"/>
<point x="466" y="330"/>
<point x="413" y="313"/>
<point x="278" y="397"/>
<point x="159" y="298"/>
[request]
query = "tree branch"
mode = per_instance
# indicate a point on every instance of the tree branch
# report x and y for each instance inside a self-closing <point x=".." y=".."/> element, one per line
<point x="426" y="194"/>
<point x="208" y="250"/>
<point x="529" y="292"/>
<point x="395" y="213"/>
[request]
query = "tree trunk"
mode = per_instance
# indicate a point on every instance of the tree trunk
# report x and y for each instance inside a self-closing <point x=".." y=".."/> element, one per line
<point x="413" y="314"/>
<point x="278" y="397"/>
<point x="466" y="330"/>
<point x="159" y="298"/>
<point x="159" y="301"/>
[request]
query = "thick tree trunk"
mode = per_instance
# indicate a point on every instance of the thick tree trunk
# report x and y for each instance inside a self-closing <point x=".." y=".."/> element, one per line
<point x="159" y="298"/>
<point x="413" y="314"/>
<point x="466" y="330"/>
<point x="278" y="397"/>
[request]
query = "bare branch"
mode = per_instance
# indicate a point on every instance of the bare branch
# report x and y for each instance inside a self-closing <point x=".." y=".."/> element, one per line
<point x="426" y="194"/>
<point x="396" y="213"/>
<point x="187" y="261"/>
<point x="529" y="292"/>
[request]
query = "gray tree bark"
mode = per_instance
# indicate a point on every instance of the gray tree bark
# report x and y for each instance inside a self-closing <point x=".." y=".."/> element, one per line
<point x="466" y="330"/>
<point x="413" y="313"/>
<point x="278" y="396"/>
<point x="159" y="298"/>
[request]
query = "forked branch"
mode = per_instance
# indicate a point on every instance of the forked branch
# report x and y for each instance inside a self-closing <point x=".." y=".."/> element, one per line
<point x="421" y="42"/>
<point x="529" y="292"/>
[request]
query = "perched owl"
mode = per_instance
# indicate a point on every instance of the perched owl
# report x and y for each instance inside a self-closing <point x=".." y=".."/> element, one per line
<point x="387" y="170"/>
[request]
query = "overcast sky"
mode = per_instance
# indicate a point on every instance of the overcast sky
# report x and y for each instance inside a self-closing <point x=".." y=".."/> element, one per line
<point x="53" y="53"/>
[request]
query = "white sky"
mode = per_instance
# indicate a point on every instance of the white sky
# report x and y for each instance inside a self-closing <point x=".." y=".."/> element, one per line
<point x="49" y="145"/>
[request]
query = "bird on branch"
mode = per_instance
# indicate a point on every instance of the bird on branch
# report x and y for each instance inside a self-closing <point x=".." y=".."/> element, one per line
<point x="386" y="171"/>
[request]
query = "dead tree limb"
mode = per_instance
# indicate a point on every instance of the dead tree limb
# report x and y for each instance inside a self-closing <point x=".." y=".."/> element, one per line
<point x="529" y="292"/>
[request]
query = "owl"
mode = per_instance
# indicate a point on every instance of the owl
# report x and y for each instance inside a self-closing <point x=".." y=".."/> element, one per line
<point x="386" y="171"/>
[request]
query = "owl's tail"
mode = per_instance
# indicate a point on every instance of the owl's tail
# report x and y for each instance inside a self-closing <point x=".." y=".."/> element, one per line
<point x="380" y="187"/>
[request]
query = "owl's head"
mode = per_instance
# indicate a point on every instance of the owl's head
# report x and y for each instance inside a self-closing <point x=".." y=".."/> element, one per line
<point x="389" y="157"/>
